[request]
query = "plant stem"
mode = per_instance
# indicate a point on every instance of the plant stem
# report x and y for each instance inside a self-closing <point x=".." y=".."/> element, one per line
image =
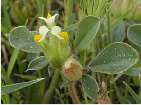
<point x="12" y="62"/>
<point x="85" y="96"/>
<point x="68" y="5"/>
<point x="73" y="94"/>
<point x="83" y="57"/>
<point x="42" y="84"/>
<point x="140" y="85"/>
<point x="109" y="26"/>
<point x="50" y="91"/>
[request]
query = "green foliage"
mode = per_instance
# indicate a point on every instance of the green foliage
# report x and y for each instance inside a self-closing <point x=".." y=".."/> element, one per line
<point x="6" y="23"/>
<point x="122" y="7"/>
<point x="90" y="87"/>
<point x="132" y="92"/>
<point x="88" y="28"/>
<point x="134" y="34"/>
<point x="37" y="63"/>
<point x="12" y="62"/>
<point x="23" y="39"/>
<point x="57" y="52"/>
<point x="119" y="32"/>
<point x="134" y="71"/>
<point x="94" y="7"/>
<point x="115" y="58"/>
<point x="15" y="87"/>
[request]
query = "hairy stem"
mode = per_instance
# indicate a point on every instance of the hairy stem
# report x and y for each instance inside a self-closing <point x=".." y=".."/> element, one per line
<point x="50" y="91"/>
<point x="73" y="94"/>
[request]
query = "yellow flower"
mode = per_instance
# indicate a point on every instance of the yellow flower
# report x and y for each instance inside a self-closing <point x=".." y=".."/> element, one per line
<point x="37" y="38"/>
<point x="64" y="35"/>
<point x="56" y="30"/>
<point x="50" y="20"/>
<point x="49" y="16"/>
<point x="43" y="30"/>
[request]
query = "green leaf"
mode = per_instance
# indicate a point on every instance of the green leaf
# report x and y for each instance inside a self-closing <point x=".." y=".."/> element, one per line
<point x="23" y="39"/>
<point x="71" y="27"/>
<point x="134" y="34"/>
<point x="31" y="56"/>
<point x="12" y="62"/>
<point x="119" y="32"/>
<point x="134" y="71"/>
<point x="90" y="87"/>
<point x="115" y="58"/>
<point x="132" y="92"/>
<point x="88" y="29"/>
<point x="37" y="63"/>
<point x="121" y="98"/>
<point x="26" y="77"/>
<point x="15" y="87"/>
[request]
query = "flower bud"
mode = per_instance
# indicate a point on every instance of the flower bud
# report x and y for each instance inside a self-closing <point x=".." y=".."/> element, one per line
<point x="72" y="69"/>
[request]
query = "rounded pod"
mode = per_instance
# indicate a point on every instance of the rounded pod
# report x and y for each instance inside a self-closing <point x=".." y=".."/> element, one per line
<point x="72" y="69"/>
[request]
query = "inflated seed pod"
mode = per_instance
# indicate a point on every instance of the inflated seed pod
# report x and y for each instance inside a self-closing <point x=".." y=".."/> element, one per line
<point x="72" y="69"/>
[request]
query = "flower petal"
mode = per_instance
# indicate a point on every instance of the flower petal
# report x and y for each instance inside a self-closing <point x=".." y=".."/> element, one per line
<point x="42" y="18"/>
<point x="37" y="38"/>
<point x="51" y="21"/>
<point x="56" y="31"/>
<point x="43" y="30"/>
<point x="49" y="16"/>
<point x="64" y="35"/>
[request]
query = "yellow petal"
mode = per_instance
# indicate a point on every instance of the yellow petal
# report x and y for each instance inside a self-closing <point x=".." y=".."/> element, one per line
<point x="49" y="15"/>
<point x="37" y="38"/>
<point x="64" y="35"/>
